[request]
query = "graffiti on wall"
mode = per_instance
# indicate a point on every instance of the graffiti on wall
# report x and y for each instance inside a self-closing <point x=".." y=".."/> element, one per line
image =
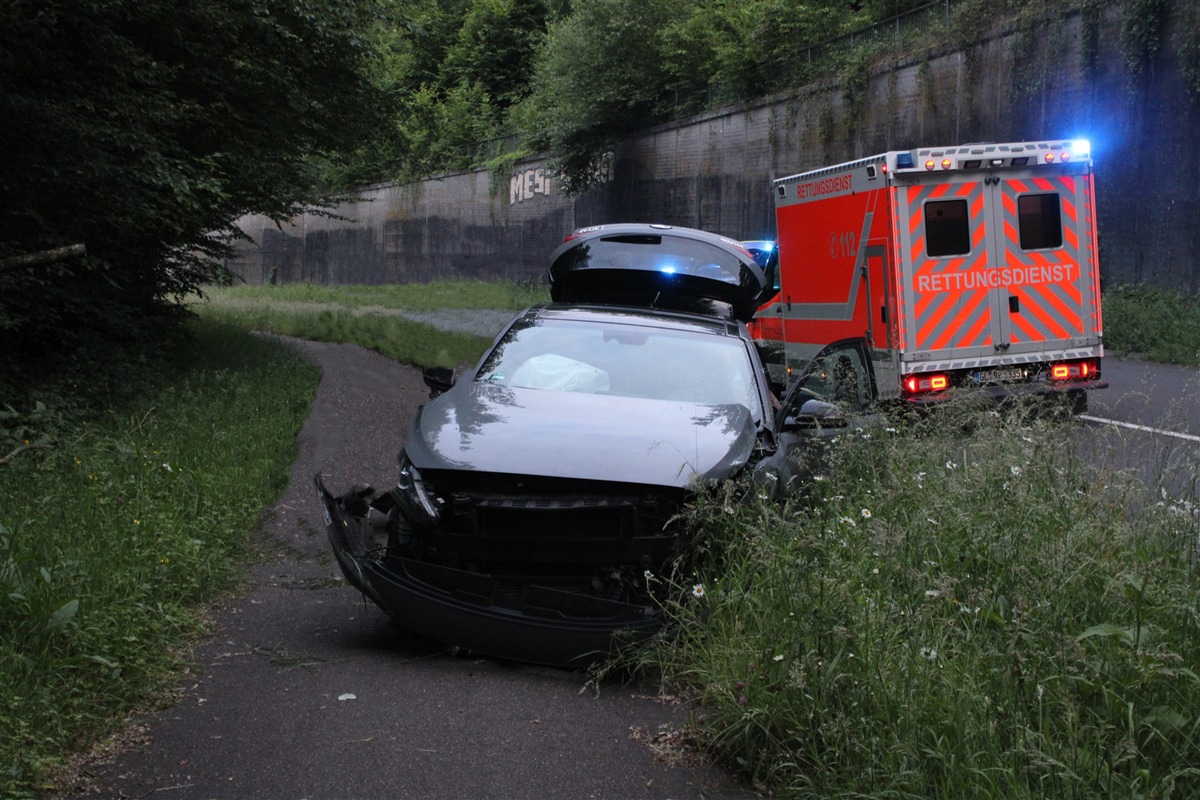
<point x="527" y="184"/>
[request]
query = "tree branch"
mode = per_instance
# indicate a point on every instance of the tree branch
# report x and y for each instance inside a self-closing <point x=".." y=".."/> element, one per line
<point x="18" y="263"/>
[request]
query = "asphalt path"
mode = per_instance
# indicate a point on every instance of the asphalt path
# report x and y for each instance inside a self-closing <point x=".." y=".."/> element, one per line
<point x="1159" y="396"/>
<point x="1148" y="422"/>
<point x="305" y="691"/>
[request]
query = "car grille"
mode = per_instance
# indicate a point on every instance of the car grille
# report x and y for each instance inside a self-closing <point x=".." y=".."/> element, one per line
<point x="558" y="531"/>
<point x="572" y="519"/>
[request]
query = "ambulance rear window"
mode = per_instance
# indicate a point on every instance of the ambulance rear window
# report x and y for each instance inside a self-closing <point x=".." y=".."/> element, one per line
<point x="1040" y="221"/>
<point x="946" y="232"/>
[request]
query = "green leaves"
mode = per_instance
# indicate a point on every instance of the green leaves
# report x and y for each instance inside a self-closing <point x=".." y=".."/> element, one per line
<point x="62" y="616"/>
<point x="140" y="129"/>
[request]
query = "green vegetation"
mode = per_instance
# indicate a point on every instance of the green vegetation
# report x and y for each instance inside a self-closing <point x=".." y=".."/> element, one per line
<point x="1157" y="324"/>
<point x="506" y="296"/>
<point x="117" y="529"/>
<point x="480" y="80"/>
<point x="140" y="132"/>
<point x="371" y="316"/>
<point x="980" y="615"/>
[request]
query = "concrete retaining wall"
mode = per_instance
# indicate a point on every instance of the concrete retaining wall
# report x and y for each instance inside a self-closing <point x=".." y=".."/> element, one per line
<point x="714" y="171"/>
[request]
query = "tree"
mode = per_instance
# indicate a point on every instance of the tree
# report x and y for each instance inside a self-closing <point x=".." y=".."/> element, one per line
<point x="495" y="48"/>
<point x="455" y="68"/>
<point x="600" y="76"/>
<point x="143" y="129"/>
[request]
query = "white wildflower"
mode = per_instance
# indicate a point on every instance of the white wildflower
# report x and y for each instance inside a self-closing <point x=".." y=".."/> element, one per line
<point x="698" y="590"/>
<point x="929" y="653"/>
<point x="866" y="513"/>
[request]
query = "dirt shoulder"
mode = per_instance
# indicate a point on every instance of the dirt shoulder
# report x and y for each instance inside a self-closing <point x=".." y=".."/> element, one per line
<point x="308" y="691"/>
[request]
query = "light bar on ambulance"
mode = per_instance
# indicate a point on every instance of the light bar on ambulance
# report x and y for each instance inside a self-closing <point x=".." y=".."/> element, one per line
<point x="973" y="157"/>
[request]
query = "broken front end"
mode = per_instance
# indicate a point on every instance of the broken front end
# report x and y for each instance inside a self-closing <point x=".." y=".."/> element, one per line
<point x="530" y="569"/>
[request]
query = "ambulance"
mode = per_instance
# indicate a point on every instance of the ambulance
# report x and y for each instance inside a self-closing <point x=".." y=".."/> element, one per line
<point x="938" y="272"/>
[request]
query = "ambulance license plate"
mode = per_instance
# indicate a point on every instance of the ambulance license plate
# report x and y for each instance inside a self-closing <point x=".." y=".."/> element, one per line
<point x="999" y="375"/>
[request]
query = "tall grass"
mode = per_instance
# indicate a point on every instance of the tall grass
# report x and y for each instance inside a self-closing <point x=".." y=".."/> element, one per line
<point x="948" y="615"/>
<point x="371" y="316"/>
<point x="113" y="536"/>
<point x="510" y="295"/>
<point x="1158" y="324"/>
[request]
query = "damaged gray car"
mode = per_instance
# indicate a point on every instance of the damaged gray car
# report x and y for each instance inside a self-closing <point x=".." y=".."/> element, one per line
<point x="538" y="492"/>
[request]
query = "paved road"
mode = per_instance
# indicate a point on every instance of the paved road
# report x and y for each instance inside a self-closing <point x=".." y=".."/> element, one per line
<point x="305" y="691"/>
<point x="1157" y="395"/>
<point x="1148" y="421"/>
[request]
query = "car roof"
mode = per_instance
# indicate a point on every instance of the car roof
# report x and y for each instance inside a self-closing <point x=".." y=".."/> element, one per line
<point x="634" y="264"/>
<point x="666" y="319"/>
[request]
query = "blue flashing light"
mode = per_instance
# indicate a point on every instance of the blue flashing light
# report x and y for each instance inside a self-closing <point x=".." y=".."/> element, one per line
<point x="1081" y="148"/>
<point x="668" y="269"/>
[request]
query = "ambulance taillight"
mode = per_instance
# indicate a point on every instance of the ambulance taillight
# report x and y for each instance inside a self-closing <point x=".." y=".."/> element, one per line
<point x="1073" y="370"/>
<point x="926" y="384"/>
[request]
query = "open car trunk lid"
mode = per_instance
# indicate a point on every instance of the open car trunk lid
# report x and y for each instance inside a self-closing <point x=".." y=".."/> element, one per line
<point x="657" y="266"/>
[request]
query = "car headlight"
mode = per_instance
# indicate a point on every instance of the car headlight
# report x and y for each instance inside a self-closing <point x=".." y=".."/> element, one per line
<point x="421" y="504"/>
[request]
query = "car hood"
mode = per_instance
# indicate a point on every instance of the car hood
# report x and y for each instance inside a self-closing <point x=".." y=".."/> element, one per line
<point x="484" y="427"/>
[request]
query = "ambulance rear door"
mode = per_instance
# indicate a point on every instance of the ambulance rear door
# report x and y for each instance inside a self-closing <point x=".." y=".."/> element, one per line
<point x="1043" y="221"/>
<point x="950" y="292"/>
<point x="999" y="265"/>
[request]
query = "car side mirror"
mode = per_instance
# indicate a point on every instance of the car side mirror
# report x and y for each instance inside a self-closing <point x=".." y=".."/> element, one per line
<point x="438" y="379"/>
<point x="814" y="414"/>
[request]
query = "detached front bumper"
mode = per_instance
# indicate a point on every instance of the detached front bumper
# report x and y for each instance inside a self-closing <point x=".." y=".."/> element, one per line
<point x="474" y="611"/>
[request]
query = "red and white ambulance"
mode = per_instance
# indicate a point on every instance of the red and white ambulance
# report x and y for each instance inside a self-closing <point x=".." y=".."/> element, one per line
<point x="949" y="269"/>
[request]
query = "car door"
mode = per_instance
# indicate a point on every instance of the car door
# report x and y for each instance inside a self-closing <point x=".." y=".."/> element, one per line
<point x="835" y="390"/>
<point x="839" y="374"/>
